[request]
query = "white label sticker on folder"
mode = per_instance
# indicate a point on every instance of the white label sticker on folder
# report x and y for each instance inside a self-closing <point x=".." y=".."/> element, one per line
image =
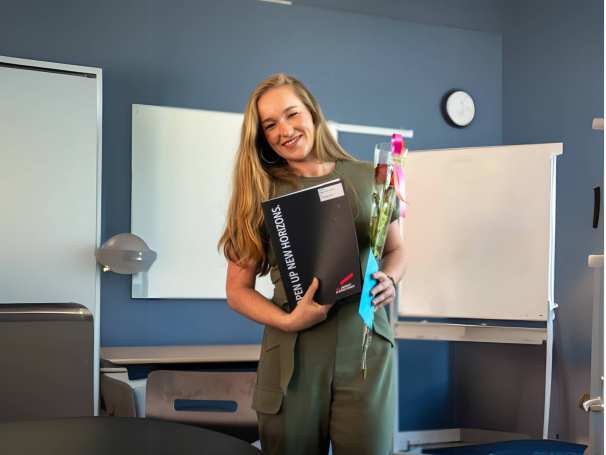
<point x="331" y="192"/>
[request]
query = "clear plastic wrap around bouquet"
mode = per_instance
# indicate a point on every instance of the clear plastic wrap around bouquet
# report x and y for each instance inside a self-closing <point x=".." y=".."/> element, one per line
<point x="389" y="184"/>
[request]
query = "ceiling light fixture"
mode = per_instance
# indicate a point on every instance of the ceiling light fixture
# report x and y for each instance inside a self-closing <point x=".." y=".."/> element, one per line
<point x="278" y="2"/>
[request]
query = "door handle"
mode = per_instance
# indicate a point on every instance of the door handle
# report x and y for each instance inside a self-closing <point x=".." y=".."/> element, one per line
<point x="593" y="405"/>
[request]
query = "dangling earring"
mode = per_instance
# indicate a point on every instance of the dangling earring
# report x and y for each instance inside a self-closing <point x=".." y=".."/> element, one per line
<point x="266" y="161"/>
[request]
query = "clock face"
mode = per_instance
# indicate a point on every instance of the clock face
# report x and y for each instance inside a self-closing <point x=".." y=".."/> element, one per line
<point x="459" y="108"/>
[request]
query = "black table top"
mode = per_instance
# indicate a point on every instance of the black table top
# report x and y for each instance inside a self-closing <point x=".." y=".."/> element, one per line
<point x="115" y="436"/>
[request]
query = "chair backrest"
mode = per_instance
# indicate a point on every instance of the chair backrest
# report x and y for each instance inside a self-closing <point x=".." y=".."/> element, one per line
<point x="118" y="397"/>
<point x="219" y="400"/>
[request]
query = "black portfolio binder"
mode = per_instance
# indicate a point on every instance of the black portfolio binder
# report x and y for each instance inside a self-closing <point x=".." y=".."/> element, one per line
<point x="312" y="232"/>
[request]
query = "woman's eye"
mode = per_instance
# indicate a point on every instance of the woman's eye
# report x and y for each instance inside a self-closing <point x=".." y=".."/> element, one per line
<point x="292" y="114"/>
<point x="269" y="127"/>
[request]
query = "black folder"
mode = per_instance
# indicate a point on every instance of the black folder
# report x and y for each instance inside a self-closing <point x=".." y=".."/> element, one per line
<point x="312" y="232"/>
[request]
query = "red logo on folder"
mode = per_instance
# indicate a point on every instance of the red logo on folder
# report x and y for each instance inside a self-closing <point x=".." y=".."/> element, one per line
<point x="346" y="279"/>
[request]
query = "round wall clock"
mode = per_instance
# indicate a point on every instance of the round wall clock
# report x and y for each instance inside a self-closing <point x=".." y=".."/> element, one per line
<point x="458" y="108"/>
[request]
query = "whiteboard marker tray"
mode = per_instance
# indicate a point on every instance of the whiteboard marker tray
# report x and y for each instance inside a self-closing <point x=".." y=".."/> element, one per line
<point x="439" y="331"/>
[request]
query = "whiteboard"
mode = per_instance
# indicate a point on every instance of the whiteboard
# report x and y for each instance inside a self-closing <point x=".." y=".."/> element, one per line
<point x="50" y="186"/>
<point x="479" y="233"/>
<point x="182" y="162"/>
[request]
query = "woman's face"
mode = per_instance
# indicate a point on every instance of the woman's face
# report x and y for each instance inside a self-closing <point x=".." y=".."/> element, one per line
<point x="286" y="123"/>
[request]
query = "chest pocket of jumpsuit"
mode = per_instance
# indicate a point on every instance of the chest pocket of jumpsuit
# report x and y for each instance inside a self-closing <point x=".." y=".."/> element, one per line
<point x="268" y="394"/>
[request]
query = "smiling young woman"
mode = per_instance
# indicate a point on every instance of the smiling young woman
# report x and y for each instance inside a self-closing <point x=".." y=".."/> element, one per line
<point x="310" y="392"/>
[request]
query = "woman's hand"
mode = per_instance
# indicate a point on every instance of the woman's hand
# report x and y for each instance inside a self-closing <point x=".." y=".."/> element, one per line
<point x="384" y="292"/>
<point x="308" y="312"/>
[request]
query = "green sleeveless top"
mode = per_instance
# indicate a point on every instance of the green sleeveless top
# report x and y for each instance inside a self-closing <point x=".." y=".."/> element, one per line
<point x="358" y="180"/>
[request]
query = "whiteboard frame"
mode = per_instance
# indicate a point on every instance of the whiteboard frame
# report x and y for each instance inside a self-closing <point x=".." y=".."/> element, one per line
<point x="98" y="73"/>
<point x="540" y="311"/>
<point x="181" y="255"/>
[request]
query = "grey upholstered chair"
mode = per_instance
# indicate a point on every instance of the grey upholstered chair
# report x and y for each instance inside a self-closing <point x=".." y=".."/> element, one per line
<point x="217" y="400"/>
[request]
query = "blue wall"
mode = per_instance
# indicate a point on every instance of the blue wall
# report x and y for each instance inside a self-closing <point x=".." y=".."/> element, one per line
<point x="484" y="15"/>
<point x="387" y="67"/>
<point x="553" y="85"/>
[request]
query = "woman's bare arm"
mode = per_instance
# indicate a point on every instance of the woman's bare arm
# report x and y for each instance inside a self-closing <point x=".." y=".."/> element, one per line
<point x="242" y="298"/>
<point x="392" y="264"/>
<point x="394" y="253"/>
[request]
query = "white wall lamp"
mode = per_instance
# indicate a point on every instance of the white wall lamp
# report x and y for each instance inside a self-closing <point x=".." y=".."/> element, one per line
<point x="125" y="254"/>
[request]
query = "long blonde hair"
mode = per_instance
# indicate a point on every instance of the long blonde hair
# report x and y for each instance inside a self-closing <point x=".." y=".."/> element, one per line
<point x="257" y="169"/>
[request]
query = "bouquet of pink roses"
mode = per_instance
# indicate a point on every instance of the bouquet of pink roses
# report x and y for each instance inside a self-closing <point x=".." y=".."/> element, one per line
<point x="389" y="183"/>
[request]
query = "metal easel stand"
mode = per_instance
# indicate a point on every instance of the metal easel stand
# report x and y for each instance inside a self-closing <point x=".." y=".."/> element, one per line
<point x="548" y="367"/>
<point x="414" y="441"/>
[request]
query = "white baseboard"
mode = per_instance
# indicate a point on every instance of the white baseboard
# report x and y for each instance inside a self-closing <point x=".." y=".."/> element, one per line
<point x="407" y="439"/>
<point x="408" y="442"/>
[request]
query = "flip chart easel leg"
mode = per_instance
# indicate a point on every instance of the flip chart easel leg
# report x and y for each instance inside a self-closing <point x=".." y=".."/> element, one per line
<point x="548" y="369"/>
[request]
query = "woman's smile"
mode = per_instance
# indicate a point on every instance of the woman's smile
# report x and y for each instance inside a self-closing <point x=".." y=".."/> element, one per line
<point x="292" y="142"/>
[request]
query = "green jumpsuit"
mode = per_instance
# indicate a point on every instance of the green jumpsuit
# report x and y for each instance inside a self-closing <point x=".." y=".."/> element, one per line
<point x="310" y="391"/>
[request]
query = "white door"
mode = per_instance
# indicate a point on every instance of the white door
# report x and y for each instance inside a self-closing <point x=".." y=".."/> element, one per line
<point x="50" y="185"/>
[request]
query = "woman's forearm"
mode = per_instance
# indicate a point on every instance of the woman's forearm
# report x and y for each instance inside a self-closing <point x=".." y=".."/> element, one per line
<point x="253" y="305"/>
<point x="393" y="262"/>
